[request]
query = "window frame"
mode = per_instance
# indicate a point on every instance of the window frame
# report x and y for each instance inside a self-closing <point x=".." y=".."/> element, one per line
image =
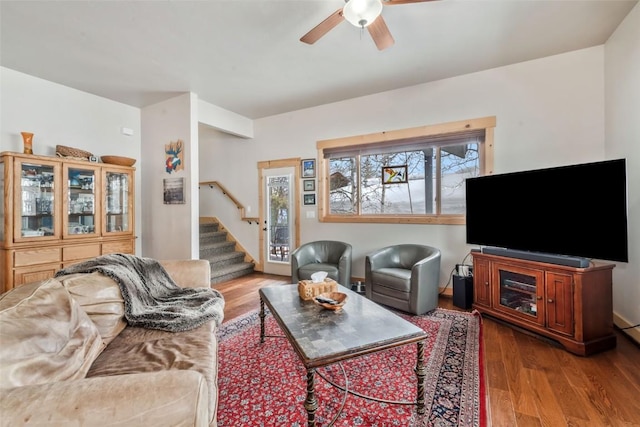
<point x="388" y="137"/>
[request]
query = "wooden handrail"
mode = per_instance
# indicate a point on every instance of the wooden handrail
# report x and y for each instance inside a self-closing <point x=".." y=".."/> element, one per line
<point x="235" y="201"/>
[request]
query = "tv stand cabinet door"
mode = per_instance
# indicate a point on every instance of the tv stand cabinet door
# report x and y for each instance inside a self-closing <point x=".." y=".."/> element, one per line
<point x="531" y="297"/>
<point x="559" y="302"/>
<point x="481" y="282"/>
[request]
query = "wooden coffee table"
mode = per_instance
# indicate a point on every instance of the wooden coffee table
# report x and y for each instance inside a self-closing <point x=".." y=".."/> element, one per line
<point x="323" y="337"/>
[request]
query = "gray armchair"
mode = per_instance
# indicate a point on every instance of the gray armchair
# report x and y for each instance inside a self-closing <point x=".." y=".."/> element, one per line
<point x="324" y="255"/>
<point x="404" y="277"/>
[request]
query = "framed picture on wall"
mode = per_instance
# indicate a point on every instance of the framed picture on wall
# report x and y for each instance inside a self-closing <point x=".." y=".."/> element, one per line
<point x="309" y="168"/>
<point x="173" y="191"/>
<point x="309" y="184"/>
<point x="310" y="199"/>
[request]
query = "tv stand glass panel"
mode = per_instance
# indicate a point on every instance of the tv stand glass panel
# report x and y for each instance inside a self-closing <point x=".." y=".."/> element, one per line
<point x="518" y="292"/>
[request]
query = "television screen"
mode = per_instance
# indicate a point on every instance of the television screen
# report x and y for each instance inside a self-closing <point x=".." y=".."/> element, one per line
<point x="578" y="210"/>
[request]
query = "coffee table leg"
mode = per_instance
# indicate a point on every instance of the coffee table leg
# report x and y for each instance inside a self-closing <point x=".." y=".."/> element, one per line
<point x="261" y="321"/>
<point x="311" y="404"/>
<point x="421" y="373"/>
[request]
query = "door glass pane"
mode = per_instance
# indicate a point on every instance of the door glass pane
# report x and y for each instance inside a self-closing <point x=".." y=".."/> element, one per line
<point x="36" y="202"/>
<point x="81" y="201"/>
<point x="1" y="201"/>
<point x="117" y="201"/>
<point x="278" y="211"/>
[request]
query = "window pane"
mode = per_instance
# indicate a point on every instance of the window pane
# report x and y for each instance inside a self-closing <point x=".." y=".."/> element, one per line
<point x="459" y="162"/>
<point x="342" y="193"/>
<point x="391" y="199"/>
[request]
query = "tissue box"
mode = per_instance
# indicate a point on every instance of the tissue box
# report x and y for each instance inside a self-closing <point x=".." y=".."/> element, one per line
<point x="307" y="289"/>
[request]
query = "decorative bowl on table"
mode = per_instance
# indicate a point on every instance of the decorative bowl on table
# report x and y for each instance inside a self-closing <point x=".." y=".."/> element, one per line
<point x="118" y="160"/>
<point x="331" y="300"/>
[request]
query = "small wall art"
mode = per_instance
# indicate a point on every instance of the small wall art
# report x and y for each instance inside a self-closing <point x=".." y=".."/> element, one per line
<point x="309" y="199"/>
<point x="309" y="184"/>
<point x="174" y="152"/>
<point x="174" y="191"/>
<point x="394" y="174"/>
<point x="309" y="168"/>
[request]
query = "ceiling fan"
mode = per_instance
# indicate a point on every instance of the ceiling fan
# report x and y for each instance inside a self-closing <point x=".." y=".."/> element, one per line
<point x="361" y="13"/>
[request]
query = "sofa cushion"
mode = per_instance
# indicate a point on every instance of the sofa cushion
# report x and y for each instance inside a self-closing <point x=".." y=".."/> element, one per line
<point x="100" y="297"/>
<point x="45" y="336"/>
<point x="138" y="350"/>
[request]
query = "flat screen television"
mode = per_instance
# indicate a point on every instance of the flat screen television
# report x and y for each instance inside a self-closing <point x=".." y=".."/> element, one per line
<point x="578" y="211"/>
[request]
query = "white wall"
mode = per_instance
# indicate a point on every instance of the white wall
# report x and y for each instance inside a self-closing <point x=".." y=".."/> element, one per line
<point x="59" y="115"/>
<point x="622" y="123"/>
<point x="550" y="112"/>
<point x="170" y="231"/>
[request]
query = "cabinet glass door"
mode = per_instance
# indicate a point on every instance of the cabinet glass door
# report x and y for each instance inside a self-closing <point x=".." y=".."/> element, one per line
<point x="2" y="198"/>
<point x="520" y="292"/>
<point x="80" y="205"/>
<point x="36" y="204"/>
<point x="117" y="202"/>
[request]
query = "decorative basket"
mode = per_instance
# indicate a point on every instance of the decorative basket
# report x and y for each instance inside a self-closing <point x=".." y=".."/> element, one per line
<point x="76" y="153"/>
<point x="307" y="289"/>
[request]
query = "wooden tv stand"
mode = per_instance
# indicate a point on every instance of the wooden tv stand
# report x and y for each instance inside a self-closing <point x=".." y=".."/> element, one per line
<point x="573" y="306"/>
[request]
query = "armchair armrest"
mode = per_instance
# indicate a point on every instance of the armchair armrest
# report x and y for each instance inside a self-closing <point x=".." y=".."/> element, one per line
<point x="344" y="267"/>
<point x="189" y="273"/>
<point x="177" y="397"/>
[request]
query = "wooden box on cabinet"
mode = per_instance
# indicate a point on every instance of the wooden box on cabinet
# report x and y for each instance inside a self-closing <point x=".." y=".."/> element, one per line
<point x="57" y="211"/>
<point x="573" y="306"/>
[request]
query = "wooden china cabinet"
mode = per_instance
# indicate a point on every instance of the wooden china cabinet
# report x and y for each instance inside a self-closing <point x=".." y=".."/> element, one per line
<point x="57" y="211"/>
<point x="571" y="305"/>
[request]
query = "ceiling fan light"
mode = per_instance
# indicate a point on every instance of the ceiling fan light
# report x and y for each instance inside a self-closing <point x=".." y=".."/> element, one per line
<point x="362" y="13"/>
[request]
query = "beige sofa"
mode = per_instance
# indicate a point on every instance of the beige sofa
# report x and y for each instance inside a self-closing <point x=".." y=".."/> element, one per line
<point x="68" y="358"/>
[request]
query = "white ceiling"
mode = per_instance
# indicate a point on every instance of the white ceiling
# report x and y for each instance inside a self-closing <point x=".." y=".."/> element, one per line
<point x="245" y="55"/>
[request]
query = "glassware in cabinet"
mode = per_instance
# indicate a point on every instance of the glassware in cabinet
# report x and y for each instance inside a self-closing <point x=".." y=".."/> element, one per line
<point x="81" y="204"/>
<point x="36" y="204"/>
<point x="117" y="191"/>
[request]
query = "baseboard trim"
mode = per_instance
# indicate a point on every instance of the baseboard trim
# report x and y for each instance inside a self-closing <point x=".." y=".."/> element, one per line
<point x="621" y="322"/>
<point x="446" y="292"/>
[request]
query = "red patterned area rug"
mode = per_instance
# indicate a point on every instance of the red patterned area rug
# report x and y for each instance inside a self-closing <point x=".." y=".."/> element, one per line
<point x="264" y="385"/>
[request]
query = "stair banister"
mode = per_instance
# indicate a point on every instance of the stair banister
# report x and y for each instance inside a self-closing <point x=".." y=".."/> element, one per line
<point x="235" y="201"/>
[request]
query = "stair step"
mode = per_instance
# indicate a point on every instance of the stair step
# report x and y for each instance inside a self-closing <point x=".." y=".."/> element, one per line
<point x="210" y="249"/>
<point x="209" y="227"/>
<point x="213" y="236"/>
<point x="231" y="272"/>
<point x="225" y="259"/>
<point x="226" y="263"/>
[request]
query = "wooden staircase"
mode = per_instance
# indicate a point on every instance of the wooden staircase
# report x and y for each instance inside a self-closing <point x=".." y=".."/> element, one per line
<point x="228" y="260"/>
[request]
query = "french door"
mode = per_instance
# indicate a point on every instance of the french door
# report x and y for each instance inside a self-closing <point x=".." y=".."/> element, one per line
<point x="279" y="189"/>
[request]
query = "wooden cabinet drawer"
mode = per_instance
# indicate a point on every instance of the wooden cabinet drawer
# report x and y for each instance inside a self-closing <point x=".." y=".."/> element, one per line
<point x="35" y="274"/>
<point x="121" y="246"/>
<point x="26" y="257"/>
<point x="71" y="253"/>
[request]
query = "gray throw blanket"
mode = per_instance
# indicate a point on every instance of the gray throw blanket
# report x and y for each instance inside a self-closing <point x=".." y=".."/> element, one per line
<point x="151" y="298"/>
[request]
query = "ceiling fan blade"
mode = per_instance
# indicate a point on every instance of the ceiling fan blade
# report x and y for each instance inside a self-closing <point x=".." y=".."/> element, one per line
<point x="393" y="2"/>
<point x="323" y="28"/>
<point x="380" y="33"/>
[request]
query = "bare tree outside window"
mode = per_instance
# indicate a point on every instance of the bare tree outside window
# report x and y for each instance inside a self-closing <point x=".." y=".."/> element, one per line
<point x="364" y="193"/>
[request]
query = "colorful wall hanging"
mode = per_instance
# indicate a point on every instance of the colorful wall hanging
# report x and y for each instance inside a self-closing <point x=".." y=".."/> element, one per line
<point x="174" y="156"/>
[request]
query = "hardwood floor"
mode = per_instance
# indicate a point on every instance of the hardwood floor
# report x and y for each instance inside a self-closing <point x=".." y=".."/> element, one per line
<point x="529" y="381"/>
